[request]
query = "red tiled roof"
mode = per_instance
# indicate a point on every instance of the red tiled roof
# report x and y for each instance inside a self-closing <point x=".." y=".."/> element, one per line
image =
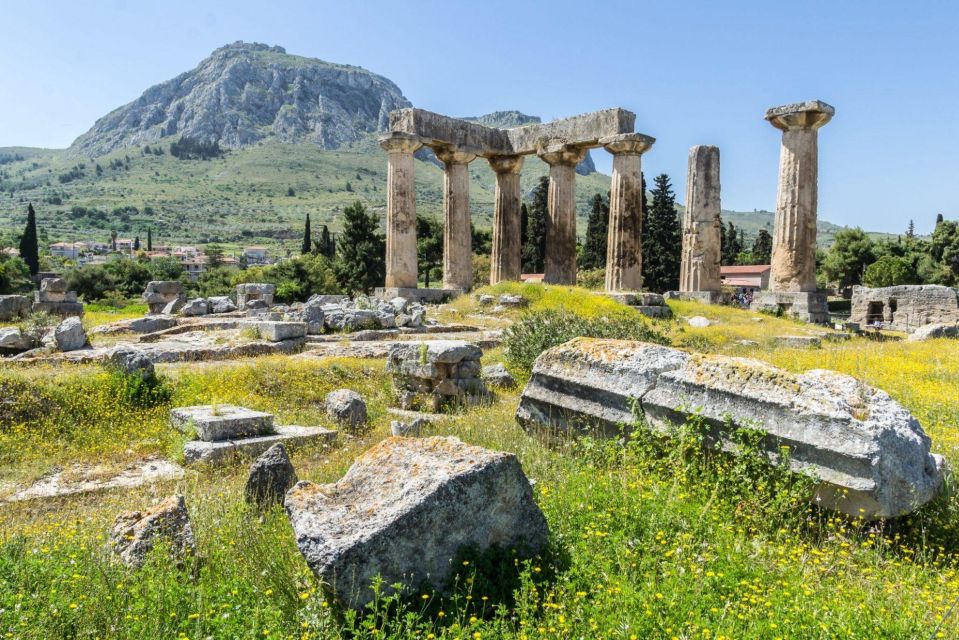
<point x="744" y="268"/>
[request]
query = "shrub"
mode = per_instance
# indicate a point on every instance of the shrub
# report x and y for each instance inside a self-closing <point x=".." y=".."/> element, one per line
<point x="592" y="279"/>
<point x="537" y="331"/>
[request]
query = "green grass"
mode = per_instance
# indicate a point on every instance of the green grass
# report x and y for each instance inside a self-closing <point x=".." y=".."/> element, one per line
<point x="651" y="539"/>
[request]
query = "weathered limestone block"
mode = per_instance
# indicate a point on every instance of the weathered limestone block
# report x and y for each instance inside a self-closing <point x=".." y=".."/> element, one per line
<point x="221" y="422"/>
<point x="136" y="533"/>
<point x="702" y="226"/>
<point x="933" y="331"/>
<point x="346" y="407"/>
<point x="173" y="306"/>
<point x="226" y="451"/>
<point x="132" y="361"/>
<point x="497" y="376"/>
<point x="160" y="293"/>
<point x="195" y="307"/>
<point x="794" y="231"/>
<point x="250" y="291"/>
<point x="13" y="307"/>
<point x="905" y="307"/>
<point x="12" y="340"/>
<point x="271" y="476"/>
<point x="870" y="455"/>
<point x="221" y="304"/>
<point x="152" y="324"/>
<point x="809" y="306"/>
<point x="404" y="510"/>
<point x="798" y="342"/>
<point x="444" y="370"/>
<point x="277" y="331"/>
<point x="70" y="335"/>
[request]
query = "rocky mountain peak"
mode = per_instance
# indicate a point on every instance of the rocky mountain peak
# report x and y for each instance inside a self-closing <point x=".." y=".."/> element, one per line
<point x="246" y="92"/>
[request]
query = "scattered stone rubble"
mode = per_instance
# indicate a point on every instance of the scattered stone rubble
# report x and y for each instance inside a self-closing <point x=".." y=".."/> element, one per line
<point x="251" y="292"/>
<point x="70" y="335"/>
<point x="159" y="294"/>
<point x="404" y="510"/>
<point x="226" y="431"/>
<point x="496" y="375"/>
<point x="932" y="331"/>
<point x="136" y="533"/>
<point x="13" y="341"/>
<point x="443" y="371"/>
<point x="347" y="408"/>
<point x="870" y="455"/>
<point x="53" y="298"/>
<point x="652" y="305"/>
<point x="271" y="476"/>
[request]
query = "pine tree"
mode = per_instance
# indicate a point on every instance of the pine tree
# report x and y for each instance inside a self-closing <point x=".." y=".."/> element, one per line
<point x="661" y="239"/>
<point x="534" y="249"/>
<point x="29" y="244"/>
<point x="150" y="239"/>
<point x="307" y="237"/>
<point x="597" y="228"/>
<point x="732" y="244"/>
<point x="763" y="247"/>
<point x="361" y="253"/>
<point x="911" y="230"/>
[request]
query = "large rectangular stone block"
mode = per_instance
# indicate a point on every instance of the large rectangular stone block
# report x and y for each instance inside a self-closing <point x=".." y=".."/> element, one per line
<point x="214" y="423"/>
<point x="277" y="331"/>
<point x="225" y="451"/>
<point x="13" y="307"/>
<point x="870" y="455"/>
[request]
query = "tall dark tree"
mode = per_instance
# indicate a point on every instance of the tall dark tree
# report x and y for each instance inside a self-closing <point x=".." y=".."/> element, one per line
<point x="136" y="243"/>
<point x="307" y="245"/>
<point x="597" y="228"/>
<point x="523" y="225"/>
<point x="534" y="249"/>
<point x="360" y="263"/>
<point x="911" y="229"/>
<point x="150" y="239"/>
<point x="29" y="244"/>
<point x="939" y="219"/>
<point x="732" y="242"/>
<point x="326" y="245"/>
<point x="214" y="256"/>
<point x="763" y="247"/>
<point x="661" y="239"/>
<point x="429" y="246"/>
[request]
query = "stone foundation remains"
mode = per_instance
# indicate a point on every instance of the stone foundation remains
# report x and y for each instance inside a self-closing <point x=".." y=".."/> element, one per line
<point x="160" y="293"/>
<point x="443" y="371"/>
<point x="250" y="291"/>
<point x="905" y="307"/>
<point x="54" y="298"/>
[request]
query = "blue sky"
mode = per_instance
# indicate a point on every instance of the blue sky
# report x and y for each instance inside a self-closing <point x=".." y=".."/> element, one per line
<point x="694" y="73"/>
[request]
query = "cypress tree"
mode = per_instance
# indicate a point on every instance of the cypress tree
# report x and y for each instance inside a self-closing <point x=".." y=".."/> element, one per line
<point x="597" y="228"/>
<point x="360" y="263"/>
<point x="524" y="224"/>
<point x="327" y="244"/>
<point x="763" y="247"/>
<point x="661" y="239"/>
<point x="307" y="237"/>
<point x="136" y="243"/>
<point x="732" y="244"/>
<point x="534" y="250"/>
<point x="150" y="239"/>
<point x="29" y="245"/>
<point x="939" y="219"/>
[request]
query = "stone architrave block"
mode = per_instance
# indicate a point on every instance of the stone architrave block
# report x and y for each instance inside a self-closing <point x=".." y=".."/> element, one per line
<point x="214" y="423"/>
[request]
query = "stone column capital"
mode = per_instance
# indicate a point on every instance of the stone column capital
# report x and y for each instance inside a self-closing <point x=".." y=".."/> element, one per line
<point x="506" y="164"/>
<point x="560" y="153"/>
<point x="451" y="155"/>
<point x="811" y="114"/>
<point x="633" y="144"/>
<point x="400" y="143"/>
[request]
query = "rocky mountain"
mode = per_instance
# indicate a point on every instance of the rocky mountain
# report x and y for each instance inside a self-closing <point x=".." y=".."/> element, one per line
<point x="245" y="92"/>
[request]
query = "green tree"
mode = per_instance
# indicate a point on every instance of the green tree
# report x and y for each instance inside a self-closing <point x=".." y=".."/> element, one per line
<point x="295" y="279"/>
<point x="429" y="247"/>
<point x="732" y="244"/>
<point x="661" y="239"/>
<point x="597" y="227"/>
<point x="944" y="249"/>
<point x="534" y="249"/>
<point x="136" y="243"/>
<point x="762" y="250"/>
<point x="14" y="275"/>
<point x="481" y="241"/>
<point x="360" y="263"/>
<point x="29" y="244"/>
<point x="847" y="258"/>
<point x="307" y="245"/>
<point x="888" y="271"/>
<point x="326" y="245"/>
<point x="149" y="239"/>
<point x="214" y="256"/>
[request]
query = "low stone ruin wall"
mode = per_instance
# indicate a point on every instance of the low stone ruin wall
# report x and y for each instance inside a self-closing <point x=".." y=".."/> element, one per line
<point x="444" y="371"/>
<point x="870" y="455"/>
<point x="905" y="307"/>
<point x="53" y="298"/>
<point x="164" y="296"/>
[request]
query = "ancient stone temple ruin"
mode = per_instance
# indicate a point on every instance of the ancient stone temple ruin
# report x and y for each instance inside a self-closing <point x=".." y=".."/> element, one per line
<point x="905" y="307"/>
<point x="793" y="277"/>
<point x="562" y="144"/>
<point x="702" y="228"/>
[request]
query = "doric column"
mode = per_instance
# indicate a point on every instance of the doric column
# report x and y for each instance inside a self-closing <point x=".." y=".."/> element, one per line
<point x="794" y="235"/>
<point x="506" y="261"/>
<point x="400" y="210"/>
<point x="561" y="221"/>
<point x="457" y="235"/>
<point x="624" y="248"/>
<point x="702" y="232"/>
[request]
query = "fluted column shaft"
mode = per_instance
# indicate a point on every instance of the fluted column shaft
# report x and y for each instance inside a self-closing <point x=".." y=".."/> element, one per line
<point x="400" y="211"/>
<point x="560" y="263"/>
<point x="794" y="234"/>
<point x="624" y="248"/>
<point x="457" y="234"/>
<point x="702" y="232"/>
<point x="506" y="259"/>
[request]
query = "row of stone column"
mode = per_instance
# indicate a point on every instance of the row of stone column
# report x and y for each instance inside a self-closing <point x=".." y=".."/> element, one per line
<point x="624" y="258"/>
<point x="794" y="231"/>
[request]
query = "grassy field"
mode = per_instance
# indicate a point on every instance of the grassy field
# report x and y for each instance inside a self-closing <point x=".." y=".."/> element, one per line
<point x="648" y="539"/>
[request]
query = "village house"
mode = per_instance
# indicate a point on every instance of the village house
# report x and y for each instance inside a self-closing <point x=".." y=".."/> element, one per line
<point x="256" y="256"/>
<point x="746" y="278"/>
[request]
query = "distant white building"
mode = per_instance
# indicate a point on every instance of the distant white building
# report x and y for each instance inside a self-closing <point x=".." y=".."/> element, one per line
<point x="66" y="250"/>
<point x="256" y="256"/>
